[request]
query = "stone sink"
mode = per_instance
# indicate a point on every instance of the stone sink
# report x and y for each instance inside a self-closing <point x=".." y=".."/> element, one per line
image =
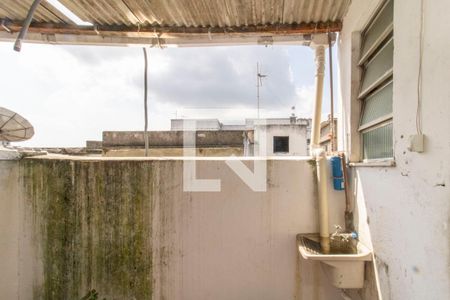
<point x="344" y="266"/>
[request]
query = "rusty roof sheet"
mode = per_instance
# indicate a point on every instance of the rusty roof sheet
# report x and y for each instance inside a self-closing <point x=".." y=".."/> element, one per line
<point x="183" y="13"/>
<point x="18" y="9"/>
<point x="184" y="23"/>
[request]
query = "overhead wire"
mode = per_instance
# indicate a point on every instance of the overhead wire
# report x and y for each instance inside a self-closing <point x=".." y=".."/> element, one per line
<point x="419" y="74"/>
<point x="145" y="101"/>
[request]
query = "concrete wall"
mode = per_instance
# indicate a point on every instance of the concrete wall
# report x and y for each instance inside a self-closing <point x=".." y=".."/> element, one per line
<point x="403" y="211"/>
<point x="222" y="138"/>
<point x="168" y="152"/>
<point x="126" y="228"/>
<point x="9" y="229"/>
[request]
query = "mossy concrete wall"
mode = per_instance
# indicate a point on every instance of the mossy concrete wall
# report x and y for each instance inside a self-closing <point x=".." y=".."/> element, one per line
<point x="92" y="224"/>
<point x="9" y="229"/>
<point x="127" y="229"/>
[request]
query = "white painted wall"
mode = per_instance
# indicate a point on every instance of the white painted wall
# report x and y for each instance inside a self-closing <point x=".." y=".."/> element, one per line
<point x="239" y="244"/>
<point x="403" y="211"/>
<point x="264" y="139"/>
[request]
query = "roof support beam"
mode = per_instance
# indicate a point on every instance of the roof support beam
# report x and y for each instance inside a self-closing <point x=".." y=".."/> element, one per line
<point x="183" y="41"/>
<point x="163" y="31"/>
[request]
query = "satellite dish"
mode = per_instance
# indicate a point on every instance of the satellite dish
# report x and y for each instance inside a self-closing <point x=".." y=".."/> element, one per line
<point x="13" y="127"/>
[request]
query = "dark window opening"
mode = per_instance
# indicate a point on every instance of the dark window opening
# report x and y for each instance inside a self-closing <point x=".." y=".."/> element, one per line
<point x="280" y="144"/>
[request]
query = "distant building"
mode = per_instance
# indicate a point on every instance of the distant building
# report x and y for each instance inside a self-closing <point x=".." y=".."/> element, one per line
<point x="325" y="135"/>
<point x="200" y="124"/>
<point x="170" y="143"/>
<point x="257" y="137"/>
<point x="281" y="136"/>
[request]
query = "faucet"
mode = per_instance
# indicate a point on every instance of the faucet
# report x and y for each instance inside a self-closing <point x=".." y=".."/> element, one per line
<point x="344" y="237"/>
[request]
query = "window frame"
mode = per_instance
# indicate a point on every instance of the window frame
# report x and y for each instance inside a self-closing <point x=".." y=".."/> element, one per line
<point x="379" y="120"/>
<point x="281" y="137"/>
<point x="362" y="61"/>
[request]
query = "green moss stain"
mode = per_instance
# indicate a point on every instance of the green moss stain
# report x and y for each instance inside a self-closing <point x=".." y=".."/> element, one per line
<point x="92" y="223"/>
<point x="312" y="163"/>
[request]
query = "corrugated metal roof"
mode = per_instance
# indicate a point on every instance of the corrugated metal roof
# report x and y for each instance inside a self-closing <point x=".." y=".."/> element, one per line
<point x="18" y="9"/>
<point x="176" y="22"/>
<point x="183" y="13"/>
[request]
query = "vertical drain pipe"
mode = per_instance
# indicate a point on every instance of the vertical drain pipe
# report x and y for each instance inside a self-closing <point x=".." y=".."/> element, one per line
<point x="318" y="153"/>
<point x="332" y="129"/>
<point x="322" y="177"/>
<point x="317" y="114"/>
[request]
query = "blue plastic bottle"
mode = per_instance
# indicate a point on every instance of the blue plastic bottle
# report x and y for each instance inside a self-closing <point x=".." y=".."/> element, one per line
<point x="338" y="178"/>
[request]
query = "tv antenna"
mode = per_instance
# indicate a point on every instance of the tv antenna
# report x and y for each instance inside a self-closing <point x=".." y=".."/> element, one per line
<point x="259" y="82"/>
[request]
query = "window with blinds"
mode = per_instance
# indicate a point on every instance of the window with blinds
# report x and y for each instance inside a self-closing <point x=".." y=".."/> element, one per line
<point x="376" y="62"/>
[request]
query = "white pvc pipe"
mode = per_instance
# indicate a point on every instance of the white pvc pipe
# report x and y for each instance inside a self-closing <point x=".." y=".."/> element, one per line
<point x="317" y="114"/>
<point x="322" y="193"/>
<point x="319" y="153"/>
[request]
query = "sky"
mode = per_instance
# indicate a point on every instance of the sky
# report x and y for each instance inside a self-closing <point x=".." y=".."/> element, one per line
<point x="71" y="94"/>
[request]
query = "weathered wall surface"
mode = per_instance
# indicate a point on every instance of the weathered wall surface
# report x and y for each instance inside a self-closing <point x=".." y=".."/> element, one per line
<point x="92" y="227"/>
<point x="168" y="152"/>
<point x="9" y="229"/>
<point x="127" y="229"/>
<point x="203" y="138"/>
<point x="404" y="210"/>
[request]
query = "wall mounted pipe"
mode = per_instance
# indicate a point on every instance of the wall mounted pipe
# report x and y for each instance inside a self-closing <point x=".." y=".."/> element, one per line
<point x="317" y="114"/>
<point x="319" y="153"/>
<point x="322" y="193"/>
<point x="26" y="24"/>
<point x="349" y="226"/>
<point x="330" y="61"/>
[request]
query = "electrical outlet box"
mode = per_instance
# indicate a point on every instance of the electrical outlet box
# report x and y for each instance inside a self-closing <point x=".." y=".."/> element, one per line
<point x="416" y="143"/>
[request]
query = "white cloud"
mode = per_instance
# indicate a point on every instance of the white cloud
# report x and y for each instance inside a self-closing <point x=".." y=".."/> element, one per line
<point x="305" y="102"/>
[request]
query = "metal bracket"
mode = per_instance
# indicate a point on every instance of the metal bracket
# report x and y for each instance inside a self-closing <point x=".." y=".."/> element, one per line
<point x="4" y="25"/>
<point x="265" y="40"/>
